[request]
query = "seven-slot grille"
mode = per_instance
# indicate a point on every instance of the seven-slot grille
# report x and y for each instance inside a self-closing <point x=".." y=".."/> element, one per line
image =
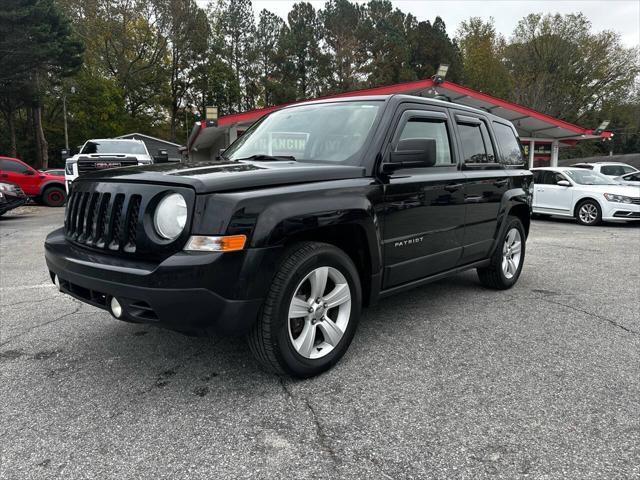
<point x="103" y="220"/>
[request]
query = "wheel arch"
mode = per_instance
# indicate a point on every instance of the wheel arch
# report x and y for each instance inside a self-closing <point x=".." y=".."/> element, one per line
<point x="581" y="200"/>
<point x="49" y="184"/>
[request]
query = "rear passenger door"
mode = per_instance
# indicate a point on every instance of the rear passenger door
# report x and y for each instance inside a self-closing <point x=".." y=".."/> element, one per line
<point x="423" y="207"/>
<point x="485" y="184"/>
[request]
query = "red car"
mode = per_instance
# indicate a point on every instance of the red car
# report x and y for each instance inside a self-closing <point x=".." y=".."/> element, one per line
<point x="41" y="186"/>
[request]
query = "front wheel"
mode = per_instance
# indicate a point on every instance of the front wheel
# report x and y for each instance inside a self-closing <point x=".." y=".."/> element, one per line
<point x="588" y="213"/>
<point x="54" y="197"/>
<point x="506" y="263"/>
<point x="311" y="311"/>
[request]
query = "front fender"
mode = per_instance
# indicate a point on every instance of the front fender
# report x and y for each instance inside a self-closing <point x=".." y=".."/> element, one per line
<point x="49" y="183"/>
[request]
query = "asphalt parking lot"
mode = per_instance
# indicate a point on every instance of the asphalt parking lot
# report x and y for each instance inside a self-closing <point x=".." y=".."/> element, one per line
<point x="447" y="381"/>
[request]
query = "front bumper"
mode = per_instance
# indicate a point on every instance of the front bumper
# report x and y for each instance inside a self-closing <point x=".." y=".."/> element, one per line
<point x="195" y="293"/>
<point x="9" y="202"/>
<point x="621" y="212"/>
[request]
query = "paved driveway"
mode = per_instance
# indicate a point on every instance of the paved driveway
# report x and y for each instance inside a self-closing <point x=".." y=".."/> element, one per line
<point x="447" y="381"/>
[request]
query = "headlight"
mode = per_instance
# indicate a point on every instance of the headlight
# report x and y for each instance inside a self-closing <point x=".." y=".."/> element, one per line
<point x="7" y="187"/>
<point x="170" y="216"/>
<point x="68" y="168"/>
<point x="618" y="198"/>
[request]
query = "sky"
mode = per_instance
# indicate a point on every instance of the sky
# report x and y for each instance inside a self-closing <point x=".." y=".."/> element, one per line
<point x="622" y="16"/>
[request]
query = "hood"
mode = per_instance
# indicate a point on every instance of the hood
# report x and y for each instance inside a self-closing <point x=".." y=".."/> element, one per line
<point x="626" y="190"/>
<point x="209" y="177"/>
<point x="139" y="156"/>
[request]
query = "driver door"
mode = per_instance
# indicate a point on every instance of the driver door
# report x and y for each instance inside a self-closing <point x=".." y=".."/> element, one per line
<point x="13" y="171"/>
<point x="551" y="196"/>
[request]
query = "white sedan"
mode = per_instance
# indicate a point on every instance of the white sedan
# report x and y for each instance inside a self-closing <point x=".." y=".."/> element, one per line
<point x="588" y="196"/>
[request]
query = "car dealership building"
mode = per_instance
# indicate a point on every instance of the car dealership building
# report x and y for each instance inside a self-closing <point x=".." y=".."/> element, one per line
<point x="541" y="135"/>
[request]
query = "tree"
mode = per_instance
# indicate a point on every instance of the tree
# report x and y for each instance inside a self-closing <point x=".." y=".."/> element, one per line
<point x="37" y="47"/>
<point x="343" y="24"/>
<point x="386" y="45"/>
<point x="303" y="44"/>
<point x="134" y="51"/>
<point x="270" y="56"/>
<point x="186" y="28"/>
<point x="560" y="68"/>
<point x="482" y="56"/>
<point x="431" y="46"/>
<point x="237" y="26"/>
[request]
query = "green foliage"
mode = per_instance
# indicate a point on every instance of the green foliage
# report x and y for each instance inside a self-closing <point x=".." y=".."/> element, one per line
<point x="483" y="50"/>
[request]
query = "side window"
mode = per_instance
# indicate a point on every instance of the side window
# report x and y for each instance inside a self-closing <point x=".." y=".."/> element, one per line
<point x="11" y="166"/>
<point x="550" y="178"/>
<point x="537" y="176"/>
<point x="615" y="170"/>
<point x="627" y="169"/>
<point x="476" y="146"/>
<point x="508" y="144"/>
<point x="433" y="129"/>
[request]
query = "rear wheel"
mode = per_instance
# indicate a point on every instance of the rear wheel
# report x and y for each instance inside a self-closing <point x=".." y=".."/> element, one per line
<point x="588" y="213"/>
<point x="506" y="263"/>
<point x="311" y="311"/>
<point x="54" y="197"/>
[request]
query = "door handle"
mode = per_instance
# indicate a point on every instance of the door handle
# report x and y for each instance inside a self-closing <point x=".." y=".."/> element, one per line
<point x="501" y="183"/>
<point x="453" y="187"/>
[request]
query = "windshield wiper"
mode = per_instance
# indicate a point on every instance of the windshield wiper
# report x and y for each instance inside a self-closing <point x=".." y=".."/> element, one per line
<point x="262" y="157"/>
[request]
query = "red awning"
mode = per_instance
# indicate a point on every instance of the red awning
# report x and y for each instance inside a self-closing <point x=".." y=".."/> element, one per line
<point x="528" y="122"/>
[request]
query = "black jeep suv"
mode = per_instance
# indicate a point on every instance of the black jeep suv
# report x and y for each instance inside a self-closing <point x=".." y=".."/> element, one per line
<point x="317" y="210"/>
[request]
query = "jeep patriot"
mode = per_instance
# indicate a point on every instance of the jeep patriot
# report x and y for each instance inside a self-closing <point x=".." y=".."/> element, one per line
<point x="319" y="209"/>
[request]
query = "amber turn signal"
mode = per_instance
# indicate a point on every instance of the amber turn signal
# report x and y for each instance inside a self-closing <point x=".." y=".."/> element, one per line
<point x="202" y="243"/>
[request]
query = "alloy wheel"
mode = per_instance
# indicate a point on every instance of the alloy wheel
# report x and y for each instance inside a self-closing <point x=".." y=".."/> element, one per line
<point x="511" y="253"/>
<point x="319" y="312"/>
<point x="588" y="213"/>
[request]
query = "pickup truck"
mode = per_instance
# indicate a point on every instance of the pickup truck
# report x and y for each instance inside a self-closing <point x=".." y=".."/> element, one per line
<point x="104" y="153"/>
<point x="318" y="210"/>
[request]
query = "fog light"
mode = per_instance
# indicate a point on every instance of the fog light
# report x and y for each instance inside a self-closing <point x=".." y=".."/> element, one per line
<point x="56" y="280"/>
<point x="116" y="308"/>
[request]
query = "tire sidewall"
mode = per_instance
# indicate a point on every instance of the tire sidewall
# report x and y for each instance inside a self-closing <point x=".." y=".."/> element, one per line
<point x="292" y="361"/>
<point x="513" y="223"/>
<point x="598" y="217"/>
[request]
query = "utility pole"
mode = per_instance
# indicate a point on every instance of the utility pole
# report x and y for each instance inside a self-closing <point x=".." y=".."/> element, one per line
<point x="64" y="114"/>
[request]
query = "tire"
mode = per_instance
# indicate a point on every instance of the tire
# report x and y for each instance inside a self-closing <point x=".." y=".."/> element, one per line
<point x="54" y="196"/>
<point x="278" y="341"/>
<point x="501" y="276"/>
<point x="588" y="212"/>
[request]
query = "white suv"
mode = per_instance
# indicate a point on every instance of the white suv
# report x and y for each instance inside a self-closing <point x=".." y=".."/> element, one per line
<point x="103" y="153"/>
<point x="610" y="169"/>
<point x="587" y="196"/>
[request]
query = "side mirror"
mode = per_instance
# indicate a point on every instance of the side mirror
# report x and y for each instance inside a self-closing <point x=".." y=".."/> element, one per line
<point x="564" y="183"/>
<point x="412" y="153"/>
<point x="29" y="172"/>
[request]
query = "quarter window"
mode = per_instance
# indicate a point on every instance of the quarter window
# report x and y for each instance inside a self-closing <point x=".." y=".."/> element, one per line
<point x="509" y="145"/>
<point x="430" y="129"/>
<point x="476" y="146"/>
<point x="615" y="170"/>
